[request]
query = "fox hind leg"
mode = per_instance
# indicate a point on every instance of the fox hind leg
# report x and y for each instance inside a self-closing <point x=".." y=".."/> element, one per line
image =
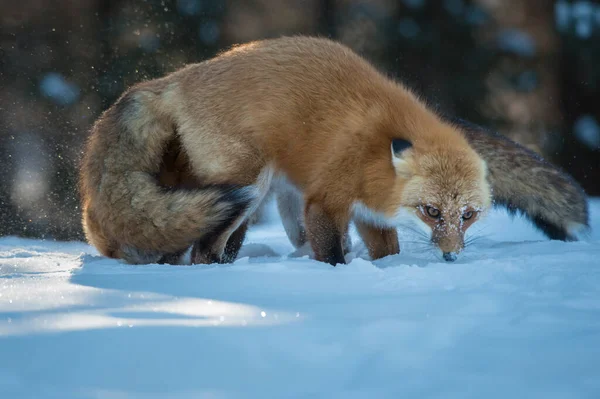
<point x="291" y="210"/>
<point x="234" y="243"/>
<point x="223" y="246"/>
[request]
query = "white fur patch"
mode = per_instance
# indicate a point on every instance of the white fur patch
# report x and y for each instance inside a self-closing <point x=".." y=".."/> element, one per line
<point x="363" y="213"/>
<point x="400" y="164"/>
<point x="402" y="216"/>
<point x="405" y="216"/>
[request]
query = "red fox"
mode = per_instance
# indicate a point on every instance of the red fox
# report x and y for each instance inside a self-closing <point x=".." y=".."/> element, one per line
<point x="186" y="159"/>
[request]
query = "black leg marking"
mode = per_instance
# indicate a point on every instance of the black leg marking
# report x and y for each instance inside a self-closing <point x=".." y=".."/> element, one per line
<point x="232" y="248"/>
<point x="325" y="237"/>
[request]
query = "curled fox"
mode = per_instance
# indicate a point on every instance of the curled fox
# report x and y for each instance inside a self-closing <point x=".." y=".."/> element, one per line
<point x="186" y="159"/>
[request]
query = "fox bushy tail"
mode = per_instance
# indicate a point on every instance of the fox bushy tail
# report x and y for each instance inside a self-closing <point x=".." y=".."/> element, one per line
<point x="524" y="183"/>
<point x="124" y="205"/>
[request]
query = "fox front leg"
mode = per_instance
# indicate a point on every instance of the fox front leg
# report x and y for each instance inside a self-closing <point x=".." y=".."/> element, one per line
<point x="325" y="233"/>
<point x="380" y="241"/>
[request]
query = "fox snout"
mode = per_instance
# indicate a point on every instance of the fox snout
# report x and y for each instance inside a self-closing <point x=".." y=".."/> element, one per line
<point x="450" y="256"/>
<point x="450" y="242"/>
<point x="448" y="226"/>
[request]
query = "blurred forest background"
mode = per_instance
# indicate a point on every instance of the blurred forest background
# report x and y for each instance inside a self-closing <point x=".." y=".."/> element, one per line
<point x="526" y="68"/>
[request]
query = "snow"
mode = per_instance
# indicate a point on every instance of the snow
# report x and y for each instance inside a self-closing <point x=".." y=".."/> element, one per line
<point x="516" y="316"/>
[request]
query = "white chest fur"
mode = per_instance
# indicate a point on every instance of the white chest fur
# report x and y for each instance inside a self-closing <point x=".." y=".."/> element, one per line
<point x="402" y="217"/>
<point x="363" y="213"/>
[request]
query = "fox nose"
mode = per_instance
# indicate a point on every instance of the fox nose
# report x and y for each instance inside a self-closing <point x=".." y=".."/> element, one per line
<point x="450" y="256"/>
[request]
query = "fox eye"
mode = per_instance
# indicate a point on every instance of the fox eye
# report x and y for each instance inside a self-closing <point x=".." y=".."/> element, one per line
<point x="468" y="215"/>
<point x="432" y="212"/>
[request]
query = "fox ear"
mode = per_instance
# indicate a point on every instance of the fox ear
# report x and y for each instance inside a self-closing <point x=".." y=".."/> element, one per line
<point x="399" y="146"/>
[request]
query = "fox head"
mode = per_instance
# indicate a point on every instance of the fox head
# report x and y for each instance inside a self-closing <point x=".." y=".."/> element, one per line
<point x="445" y="186"/>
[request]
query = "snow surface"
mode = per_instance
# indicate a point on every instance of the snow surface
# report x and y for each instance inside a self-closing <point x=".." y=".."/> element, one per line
<point x="517" y="316"/>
